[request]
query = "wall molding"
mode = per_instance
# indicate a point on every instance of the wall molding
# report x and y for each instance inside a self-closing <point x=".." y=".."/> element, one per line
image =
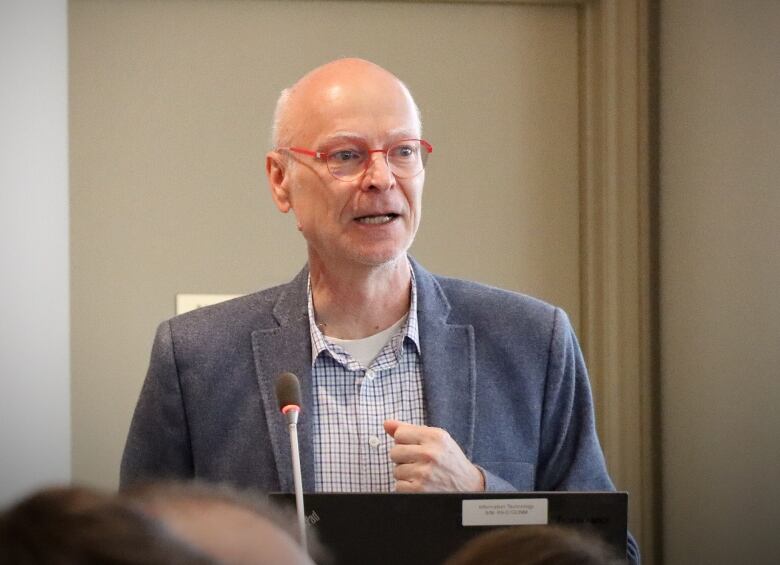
<point x="617" y="254"/>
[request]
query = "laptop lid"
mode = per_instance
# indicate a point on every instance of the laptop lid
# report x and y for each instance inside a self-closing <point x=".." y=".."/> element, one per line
<point x="384" y="528"/>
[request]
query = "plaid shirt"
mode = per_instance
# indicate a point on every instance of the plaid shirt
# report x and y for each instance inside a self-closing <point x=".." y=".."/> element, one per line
<point x="351" y="448"/>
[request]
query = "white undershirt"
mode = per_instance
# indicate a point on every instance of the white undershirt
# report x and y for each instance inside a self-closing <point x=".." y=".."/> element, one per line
<point x="365" y="350"/>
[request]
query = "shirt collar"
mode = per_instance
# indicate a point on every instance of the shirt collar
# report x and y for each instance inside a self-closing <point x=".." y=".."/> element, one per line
<point x="320" y="343"/>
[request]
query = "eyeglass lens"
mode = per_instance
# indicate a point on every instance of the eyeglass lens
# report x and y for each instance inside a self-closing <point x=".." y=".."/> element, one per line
<point x="406" y="159"/>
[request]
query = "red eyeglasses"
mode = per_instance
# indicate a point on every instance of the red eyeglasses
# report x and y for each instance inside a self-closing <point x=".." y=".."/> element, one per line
<point x="350" y="160"/>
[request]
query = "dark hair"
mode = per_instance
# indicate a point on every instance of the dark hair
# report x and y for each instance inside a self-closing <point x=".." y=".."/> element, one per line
<point x="75" y="525"/>
<point x="535" y="545"/>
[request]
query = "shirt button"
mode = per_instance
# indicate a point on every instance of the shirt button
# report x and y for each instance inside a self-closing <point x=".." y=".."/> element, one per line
<point x="370" y="374"/>
<point x="373" y="441"/>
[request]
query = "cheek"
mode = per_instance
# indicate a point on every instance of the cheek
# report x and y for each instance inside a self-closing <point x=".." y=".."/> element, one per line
<point x="414" y="195"/>
<point x="322" y="210"/>
<point x="307" y="198"/>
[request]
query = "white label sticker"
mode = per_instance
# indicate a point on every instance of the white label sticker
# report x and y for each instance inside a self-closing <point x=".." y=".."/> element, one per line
<point x="505" y="512"/>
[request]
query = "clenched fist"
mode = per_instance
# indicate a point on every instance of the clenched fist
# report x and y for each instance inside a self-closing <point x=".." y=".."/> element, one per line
<point x="428" y="460"/>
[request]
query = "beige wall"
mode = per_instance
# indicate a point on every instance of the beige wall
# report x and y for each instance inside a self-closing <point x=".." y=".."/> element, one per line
<point x="720" y="280"/>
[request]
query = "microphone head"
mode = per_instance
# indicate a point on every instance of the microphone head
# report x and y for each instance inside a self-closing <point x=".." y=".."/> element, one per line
<point x="288" y="390"/>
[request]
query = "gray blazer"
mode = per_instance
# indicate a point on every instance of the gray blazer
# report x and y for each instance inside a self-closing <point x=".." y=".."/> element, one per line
<point x="502" y="373"/>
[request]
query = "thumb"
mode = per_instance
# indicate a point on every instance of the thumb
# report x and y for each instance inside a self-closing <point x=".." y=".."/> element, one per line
<point x="391" y="426"/>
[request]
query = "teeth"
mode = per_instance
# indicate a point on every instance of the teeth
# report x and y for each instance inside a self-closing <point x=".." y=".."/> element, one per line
<point x="376" y="219"/>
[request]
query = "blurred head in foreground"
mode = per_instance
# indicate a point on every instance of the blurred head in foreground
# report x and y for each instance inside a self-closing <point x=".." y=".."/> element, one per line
<point x="165" y="524"/>
<point x="71" y="525"/>
<point x="535" y="545"/>
<point x="235" y="528"/>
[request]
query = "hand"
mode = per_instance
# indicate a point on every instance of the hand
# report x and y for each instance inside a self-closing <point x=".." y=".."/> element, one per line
<point x="428" y="460"/>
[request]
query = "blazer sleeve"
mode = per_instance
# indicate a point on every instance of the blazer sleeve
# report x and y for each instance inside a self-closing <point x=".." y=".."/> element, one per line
<point x="570" y="456"/>
<point x="158" y="444"/>
<point x="570" y="453"/>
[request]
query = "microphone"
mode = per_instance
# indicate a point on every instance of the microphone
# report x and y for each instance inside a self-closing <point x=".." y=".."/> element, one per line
<point x="288" y="394"/>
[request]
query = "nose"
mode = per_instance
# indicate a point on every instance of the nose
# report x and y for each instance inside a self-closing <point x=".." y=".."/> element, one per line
<point x="378" y="175"/>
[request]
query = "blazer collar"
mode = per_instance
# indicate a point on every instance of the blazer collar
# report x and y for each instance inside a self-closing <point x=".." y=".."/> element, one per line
<point x="287" y="348"/>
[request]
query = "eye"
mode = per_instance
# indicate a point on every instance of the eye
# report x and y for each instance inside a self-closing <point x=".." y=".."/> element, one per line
<point x="345" y="155"/>
<point x="403" y="152"/>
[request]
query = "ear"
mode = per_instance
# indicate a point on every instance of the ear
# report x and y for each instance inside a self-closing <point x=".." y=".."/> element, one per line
<point x="276" y="171"/>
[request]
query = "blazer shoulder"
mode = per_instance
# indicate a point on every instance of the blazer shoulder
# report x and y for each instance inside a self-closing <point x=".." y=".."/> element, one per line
<point x="471" y="299"/>
<point x="253" y="309"/>
<point x="223" y="323"/>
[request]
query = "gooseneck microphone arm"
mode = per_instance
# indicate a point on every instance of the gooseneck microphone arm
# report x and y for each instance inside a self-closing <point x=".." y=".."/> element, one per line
<point x="291" y="411"/>
<point x="288" y="393"/>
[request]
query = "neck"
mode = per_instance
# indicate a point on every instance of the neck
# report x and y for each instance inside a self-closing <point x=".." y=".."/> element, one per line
<point x="352" y="303"/>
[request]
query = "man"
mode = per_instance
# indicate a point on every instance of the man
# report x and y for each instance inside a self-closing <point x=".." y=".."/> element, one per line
<point x="410" y="382"/>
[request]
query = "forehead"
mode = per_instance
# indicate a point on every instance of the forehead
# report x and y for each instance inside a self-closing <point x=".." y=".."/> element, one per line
<point x="370" y="104"/>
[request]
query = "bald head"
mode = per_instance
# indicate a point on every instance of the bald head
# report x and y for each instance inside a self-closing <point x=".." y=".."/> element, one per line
<point x="334" y="83"/>
<point x="229" y="532"/>
<point x="231" y="526"/>
<point x="351" y="111"/>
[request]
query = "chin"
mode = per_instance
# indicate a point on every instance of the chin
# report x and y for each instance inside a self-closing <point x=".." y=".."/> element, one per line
<point x="379" y="257"/>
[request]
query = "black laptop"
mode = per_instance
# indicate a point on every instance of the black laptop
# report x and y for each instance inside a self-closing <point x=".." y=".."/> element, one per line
<point x="425" y="529"/>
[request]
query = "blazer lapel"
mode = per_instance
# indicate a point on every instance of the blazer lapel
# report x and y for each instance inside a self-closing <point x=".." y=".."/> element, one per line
<point x="448" y="358"/>
<point x="287" y="348"/>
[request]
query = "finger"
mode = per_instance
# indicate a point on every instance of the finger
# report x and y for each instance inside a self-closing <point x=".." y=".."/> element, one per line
<point x="400" y="454"/>
<point x="407" y="486"/>
<point x="415" y="435"/>
<point x="391" y="426"/>
<point x="412" y="472"/>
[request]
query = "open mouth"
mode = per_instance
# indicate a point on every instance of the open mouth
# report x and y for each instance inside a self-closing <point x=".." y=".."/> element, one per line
<point x="377" y="219"/>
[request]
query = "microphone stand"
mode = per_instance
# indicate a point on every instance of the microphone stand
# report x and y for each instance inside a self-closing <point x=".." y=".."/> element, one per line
<point x="291" y="412"/>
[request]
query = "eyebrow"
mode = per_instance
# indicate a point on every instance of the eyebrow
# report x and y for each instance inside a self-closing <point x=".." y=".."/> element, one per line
<point x="393" y="134"/>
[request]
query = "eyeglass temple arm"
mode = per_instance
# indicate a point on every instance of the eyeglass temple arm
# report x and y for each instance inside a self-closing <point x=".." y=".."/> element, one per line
<point x="315" y="154"/>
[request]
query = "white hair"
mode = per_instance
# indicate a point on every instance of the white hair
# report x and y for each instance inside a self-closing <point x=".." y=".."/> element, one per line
<point x="279" y="111"/>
